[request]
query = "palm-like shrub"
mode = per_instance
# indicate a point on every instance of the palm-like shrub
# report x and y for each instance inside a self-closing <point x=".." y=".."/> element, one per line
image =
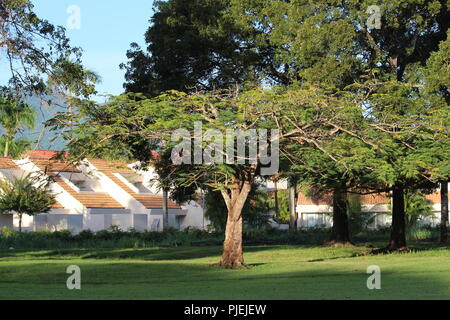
<point x="14" y="116"/>
<point x="29" y="195"/>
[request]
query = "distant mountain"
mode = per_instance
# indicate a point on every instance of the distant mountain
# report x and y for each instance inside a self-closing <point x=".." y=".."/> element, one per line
<point x="42" y="137"/>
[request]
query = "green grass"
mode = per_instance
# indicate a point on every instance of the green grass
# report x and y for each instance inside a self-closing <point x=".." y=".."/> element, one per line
<point x="275" y="272"/>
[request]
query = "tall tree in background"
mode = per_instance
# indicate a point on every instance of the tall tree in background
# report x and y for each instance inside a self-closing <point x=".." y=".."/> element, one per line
<point x="332" y="45"/>
<point x="437" y="92"/>
<point x="444" y="212"/>
<point x="31" y="47"/>
<point x="191" y="45"/>
<point x="310" y="43"/>
<point x="14" y="116"/>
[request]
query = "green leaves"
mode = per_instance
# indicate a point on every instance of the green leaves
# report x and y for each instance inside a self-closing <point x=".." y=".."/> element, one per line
<point x="34" y="47"/>
<point x="29" y="195"/>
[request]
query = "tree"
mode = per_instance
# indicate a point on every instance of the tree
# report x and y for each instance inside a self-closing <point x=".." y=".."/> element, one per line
<point x="283" y="206"/>
<point x="33" y="47"/>
<point x="437" y="75"/>
<point x="14" y="115"/>
<point x="444" y="212"/>
<point x="292" y="191"/>
<point x="29" y="195"/>
<point x="416" y="206"/>
<point x="336" y="36"/>
<point x="15" y="147"/>
<point x="254" y="212"/>
<point x="191" y="44"/>
<point x="148" y="122"/>
<point x="315" y="138"/>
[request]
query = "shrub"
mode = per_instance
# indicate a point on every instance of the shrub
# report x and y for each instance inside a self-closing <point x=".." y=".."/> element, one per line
<point x="30" y="195"/>
<point x="358" y="220"/>
<point x="85" y="235"/>
<point x="421" y="233"/>
<point x="152" y="236"/>
<point x="65" y="235"/>
<point x="6" y="232"/>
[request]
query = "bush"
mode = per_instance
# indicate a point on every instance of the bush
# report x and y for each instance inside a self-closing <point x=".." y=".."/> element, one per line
<point x="358" y="221"/>
<point x="6" y="232"/>
<point x="422" y="233"/>
<point x="85" y="235"/>
<point x="65" y="235"/>
<point x="152" y="236"/>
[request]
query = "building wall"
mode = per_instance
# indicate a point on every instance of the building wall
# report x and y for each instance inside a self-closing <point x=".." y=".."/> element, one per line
<point x="116" y="192"/>
<point x="195" y="216"/>
<point x="6" y="220"/>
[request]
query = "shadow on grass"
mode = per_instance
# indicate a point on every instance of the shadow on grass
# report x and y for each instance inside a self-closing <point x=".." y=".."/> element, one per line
<point x="188" y="253"/>
<point x="197" y="281"/>
<point x="146" y="254"/>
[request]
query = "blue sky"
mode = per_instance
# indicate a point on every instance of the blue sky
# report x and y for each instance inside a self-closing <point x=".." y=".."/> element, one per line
<point x="107" y="27"/>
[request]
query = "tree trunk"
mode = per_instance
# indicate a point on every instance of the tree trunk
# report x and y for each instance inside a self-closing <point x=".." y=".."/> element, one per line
<point x="292" y="207"/>
<point x="339" y="231"/>
<point x="444" y="211"/>
<point x="398" y="229"/>
<point x="20" y="223"/>
<point x="277" y="207"/>
<point x="232" y="256"/>
<point x="165" y="208"/>
<point x="6" y="150"/>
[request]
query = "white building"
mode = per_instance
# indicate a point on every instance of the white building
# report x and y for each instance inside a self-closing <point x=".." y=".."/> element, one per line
<point x="97" y="194"/>
<point x="315" y="211"/>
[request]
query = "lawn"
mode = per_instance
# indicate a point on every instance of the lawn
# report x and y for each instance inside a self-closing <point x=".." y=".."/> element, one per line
<point x="275" y="272"/>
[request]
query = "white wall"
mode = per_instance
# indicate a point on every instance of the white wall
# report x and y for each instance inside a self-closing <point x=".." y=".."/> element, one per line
<point x="116" y="192"/>
<point x="195" y="216"/>
<point x="6" y="220"/>
<point x="62" y="196"/>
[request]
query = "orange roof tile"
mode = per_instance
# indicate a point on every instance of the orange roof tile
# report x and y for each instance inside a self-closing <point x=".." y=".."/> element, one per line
<point x="45" y="154"/>
<point x="315" y="199"/>
<point x="7" y="163"/>
<point x="89" y="199"/>
<point x="54" y="165"/>
<point x="327" y="199"/>
<point x="435" y="197"/>
<point x="148" y="200"/>
<point x="376" y="198"/>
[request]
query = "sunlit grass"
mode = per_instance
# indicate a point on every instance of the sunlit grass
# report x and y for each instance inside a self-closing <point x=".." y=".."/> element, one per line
<point x="275" y="272"/>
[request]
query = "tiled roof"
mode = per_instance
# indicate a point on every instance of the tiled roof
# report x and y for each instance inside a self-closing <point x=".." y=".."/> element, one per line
<point x="87" y="199"/>
<point x="315" y="199"/>
<point x="7" y="163"/>
<point x="45" y="154"/>
<point x="367" y="199"/>
<point x="435" y="197"/>
<point x="148" y="200"/>
<point x="376" y="198"/>
<point x="54" y="165"/>
<point x="327" y="199"/>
